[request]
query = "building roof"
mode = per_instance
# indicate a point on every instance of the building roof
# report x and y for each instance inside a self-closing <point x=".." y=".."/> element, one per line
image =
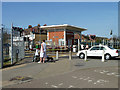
<point x="64" y="26"/>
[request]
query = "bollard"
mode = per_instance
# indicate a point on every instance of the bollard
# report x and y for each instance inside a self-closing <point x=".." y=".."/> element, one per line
<point x="56" y="55"/>
<point x="103" y="57"/>
<point x="70" y="55"/>
<point x="85" y="56"/>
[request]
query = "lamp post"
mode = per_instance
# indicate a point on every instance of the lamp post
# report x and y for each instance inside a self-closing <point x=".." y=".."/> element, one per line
<point x="1" y="45"/>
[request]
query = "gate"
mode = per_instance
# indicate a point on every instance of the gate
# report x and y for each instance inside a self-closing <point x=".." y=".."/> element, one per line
<point x="11" y="46"/>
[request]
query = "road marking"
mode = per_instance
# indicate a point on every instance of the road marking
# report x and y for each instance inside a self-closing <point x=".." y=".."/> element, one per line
<point x="89" y="80"/>
<point x="86" y="78"/>
<point x="46" y="83"/>
<point x="71" y="86"/>
<point x="107" y="72"/>
<point x="54" y="86"/>
<point x="80" y="78"/>
<point x="101" y="81"/>
<point x="110" y="73"/>
<point x="14" y="67"/>
<point x="117" y="75"/>
<point x="74" y="77"/>
<point x="60" y="84"/>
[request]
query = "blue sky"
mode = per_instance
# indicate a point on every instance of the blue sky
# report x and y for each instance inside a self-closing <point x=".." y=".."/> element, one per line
<point x="98" y="17"/>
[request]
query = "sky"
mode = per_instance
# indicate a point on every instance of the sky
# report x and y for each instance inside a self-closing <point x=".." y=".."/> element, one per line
<point x="98" y="17"/>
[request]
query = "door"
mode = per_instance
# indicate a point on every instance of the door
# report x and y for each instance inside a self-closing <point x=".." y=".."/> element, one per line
<point x="93" y="51"/>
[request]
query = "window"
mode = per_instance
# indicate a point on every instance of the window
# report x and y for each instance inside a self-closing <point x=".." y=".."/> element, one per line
<point x="102" y="48"/>
<point x="111" y="47"/>
<point x="95" y="48"/>
<point x="61" y="42"/>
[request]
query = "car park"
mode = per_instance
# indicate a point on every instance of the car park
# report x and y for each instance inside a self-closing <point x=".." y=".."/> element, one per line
<point x="98" y="50"/>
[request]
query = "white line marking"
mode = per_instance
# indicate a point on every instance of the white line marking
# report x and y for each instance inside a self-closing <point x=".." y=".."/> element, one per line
<point x="110" y="73"/>
<point x="117" y="75"/>
<point x="74" y="77"/>
<point x="80" y="78"/>
<point x="54" y="86"/>
<point x="46" y="83"/>
<point x="60" y="84"/>
<point x="86" y="78"/>
<point x="105" y="71"/>
<point x="100" y="81"/>
<point x="89" y="80"/>
<point x="70" y="86"/>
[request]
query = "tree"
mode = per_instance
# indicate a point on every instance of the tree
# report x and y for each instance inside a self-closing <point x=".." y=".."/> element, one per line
<point x="38" y="25"/>
<point x="30" y="26"/>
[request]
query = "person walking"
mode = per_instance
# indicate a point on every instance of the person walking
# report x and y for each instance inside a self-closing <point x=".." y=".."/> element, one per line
<point x="43" y="52"/>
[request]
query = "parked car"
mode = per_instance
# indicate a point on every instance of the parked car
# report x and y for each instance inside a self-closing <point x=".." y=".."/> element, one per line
<point x="97" y="51"/>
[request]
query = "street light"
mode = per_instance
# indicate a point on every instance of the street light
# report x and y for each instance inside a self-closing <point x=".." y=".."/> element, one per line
<point x="1" y="45"/>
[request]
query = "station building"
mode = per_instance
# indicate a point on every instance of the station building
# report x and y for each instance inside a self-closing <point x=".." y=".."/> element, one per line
<point x="63" y="35"/>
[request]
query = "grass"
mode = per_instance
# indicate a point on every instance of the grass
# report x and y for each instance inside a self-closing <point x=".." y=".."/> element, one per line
<point x="7" y="63"/>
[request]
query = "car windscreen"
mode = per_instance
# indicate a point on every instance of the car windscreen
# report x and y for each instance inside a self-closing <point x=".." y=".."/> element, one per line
<point x="110" y="47"/>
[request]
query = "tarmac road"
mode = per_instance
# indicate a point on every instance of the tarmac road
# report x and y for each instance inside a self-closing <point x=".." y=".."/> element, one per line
<point x="84" y="78"/>
<point x="64" y="73"/>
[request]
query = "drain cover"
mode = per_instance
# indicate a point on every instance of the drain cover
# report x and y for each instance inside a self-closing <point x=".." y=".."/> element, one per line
<point x="20" y="78"/>
<point x="79" y="64"/>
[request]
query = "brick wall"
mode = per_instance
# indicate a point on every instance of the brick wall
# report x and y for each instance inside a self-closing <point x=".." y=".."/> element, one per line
<point x="55" y="36"/>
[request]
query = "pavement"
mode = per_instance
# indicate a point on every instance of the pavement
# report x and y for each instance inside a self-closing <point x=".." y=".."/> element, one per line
<point x="64" y="73"/>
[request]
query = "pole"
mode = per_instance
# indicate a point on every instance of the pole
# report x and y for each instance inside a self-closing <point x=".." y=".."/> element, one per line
<point x="78" y="44"/>
<point x="12" y="44"/>
<point x="70" y="55"/>
<point x="1" y="47"/>
<point x="57" y="55"/>
<point x="85" y="56"/>
<point x="91" y="43"/>
<point x="103" y="57"/>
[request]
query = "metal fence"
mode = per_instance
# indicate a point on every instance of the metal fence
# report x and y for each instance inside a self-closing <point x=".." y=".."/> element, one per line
<point x="17" y="46"/>
<point x="11" y="46"/>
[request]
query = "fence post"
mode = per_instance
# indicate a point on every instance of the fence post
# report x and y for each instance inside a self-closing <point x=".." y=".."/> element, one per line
<point x="12" y="44"/>
<point x="70" y="55"/>
<point x="57" y="55"/>
<point x="103" y="56"/>
<point x="85" y="56"/>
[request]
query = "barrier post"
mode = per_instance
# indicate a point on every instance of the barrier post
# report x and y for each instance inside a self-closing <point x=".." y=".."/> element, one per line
<point x="103" y="56"/>
<point x="56" y="55"/>
<point x="70" y="55"/>
<point x="85" y="56"/>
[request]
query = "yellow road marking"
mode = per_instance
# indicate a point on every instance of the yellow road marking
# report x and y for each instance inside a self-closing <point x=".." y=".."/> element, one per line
<point x="13" y="67"/>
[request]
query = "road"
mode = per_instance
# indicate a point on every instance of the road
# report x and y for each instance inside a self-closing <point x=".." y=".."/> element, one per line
<point x="64" y="73"/>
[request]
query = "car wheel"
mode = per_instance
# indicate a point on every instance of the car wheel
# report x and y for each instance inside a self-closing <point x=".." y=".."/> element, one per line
<point x="82" y="55"/>
<point x="107" y="56"/>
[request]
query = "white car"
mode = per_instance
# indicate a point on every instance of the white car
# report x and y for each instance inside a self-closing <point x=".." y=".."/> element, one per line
<point x="97" y="51"/>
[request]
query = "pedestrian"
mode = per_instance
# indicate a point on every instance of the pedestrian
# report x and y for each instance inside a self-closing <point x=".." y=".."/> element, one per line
<point x="82" y="47"/>
<point x="87" y="47"/>
<point x="43" y="52"/>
